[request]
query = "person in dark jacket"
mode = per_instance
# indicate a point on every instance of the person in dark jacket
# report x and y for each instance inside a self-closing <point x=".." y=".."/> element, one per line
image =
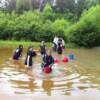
<point x="60" y="46"/>
<point x="18" y="52"/>
<point x="54" y="47"/>
<point x="30" y="54"/>
<point x="42" y="49"/>
<point x="48" y="60"/>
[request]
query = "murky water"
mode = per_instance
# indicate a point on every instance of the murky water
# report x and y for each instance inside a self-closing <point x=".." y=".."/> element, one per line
<point x="77" y="77"/>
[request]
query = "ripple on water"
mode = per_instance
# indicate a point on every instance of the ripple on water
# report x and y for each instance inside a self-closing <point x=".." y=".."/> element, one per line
<point x="58" y="73"/>
<point x="61" y="80"/>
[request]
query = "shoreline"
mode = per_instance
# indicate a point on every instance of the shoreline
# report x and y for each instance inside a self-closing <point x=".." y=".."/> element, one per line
<point x="14" y="43"/>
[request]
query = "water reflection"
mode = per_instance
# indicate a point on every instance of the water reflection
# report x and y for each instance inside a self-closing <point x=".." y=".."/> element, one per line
<point x="21" y="85"/>
<point x="47" y="86"/>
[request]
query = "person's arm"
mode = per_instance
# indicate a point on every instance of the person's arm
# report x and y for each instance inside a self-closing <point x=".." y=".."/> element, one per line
<point x="28" y="60"/>
<point x="52" y="62"/>
<point x="63" y="43"/>
<point x="44" y="59"/>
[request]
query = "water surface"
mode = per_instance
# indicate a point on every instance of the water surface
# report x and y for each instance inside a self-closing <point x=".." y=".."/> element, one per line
<point x="78" y="77"/>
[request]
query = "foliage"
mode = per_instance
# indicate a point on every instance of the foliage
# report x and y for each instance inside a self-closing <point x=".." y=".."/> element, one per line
<point x="86" y="32"/>
<point x="35" y="25"/>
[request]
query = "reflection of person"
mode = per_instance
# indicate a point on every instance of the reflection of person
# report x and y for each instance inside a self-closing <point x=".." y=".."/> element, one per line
<point x="42" y="48"/>
<point x="48" y="60"/>
<point x="30" y="54"/>
<point x="47" y="86"/>
<point x="18" y="52"/>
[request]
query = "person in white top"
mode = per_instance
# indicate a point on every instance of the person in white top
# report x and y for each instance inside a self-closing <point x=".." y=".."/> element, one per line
<point x="55" y="43"/>
<point x="63" y="42"/>
<point x="56" y="40"/>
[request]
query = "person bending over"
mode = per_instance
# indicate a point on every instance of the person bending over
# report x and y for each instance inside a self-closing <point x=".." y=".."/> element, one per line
<point x="18" y="52"/>
<point x="48" y="60"/>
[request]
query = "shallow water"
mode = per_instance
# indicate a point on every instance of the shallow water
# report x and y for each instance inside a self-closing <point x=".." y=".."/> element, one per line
<point x="78" y="77"/>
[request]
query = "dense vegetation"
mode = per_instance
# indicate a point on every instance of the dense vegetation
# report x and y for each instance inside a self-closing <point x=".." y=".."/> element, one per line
<point x="86" y="32"/>
<point x="77" y="21"/>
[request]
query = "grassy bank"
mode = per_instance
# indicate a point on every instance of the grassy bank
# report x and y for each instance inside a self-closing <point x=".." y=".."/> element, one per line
<point x="8" y="43"/>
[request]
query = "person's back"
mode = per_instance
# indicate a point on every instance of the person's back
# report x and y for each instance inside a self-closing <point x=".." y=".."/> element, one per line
<point x="60" y="48"/>
<point x="55" y="40"/>
<point x="63" y="43"/>
<point x="48" y="60"/>
<point x="54" y="47"/>
<point x="18" y="52"/>
<point x="29" y="56"/>
<point x="42" y="49"/>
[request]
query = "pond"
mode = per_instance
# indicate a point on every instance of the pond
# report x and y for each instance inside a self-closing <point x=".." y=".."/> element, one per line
<point x="78" y="77"/>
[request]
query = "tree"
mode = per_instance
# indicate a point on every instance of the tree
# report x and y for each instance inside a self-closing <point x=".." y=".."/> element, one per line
<point x="86" y="32"/>
<point x="90" y="3"/>
<point x="65" y="5"/>
<point x="47" y="12"/>
<point x="22" y="5"/>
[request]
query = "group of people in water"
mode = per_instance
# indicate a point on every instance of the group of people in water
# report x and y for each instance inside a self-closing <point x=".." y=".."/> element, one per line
<point x="46" y="55"/>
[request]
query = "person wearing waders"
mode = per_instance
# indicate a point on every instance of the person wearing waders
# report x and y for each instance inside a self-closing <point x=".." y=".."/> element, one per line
<point x="55" y="43"/>
<point x="29" y="57"/>
<point x="42" y="49"/>
<point x="18" y="52"/>
<point x="48" y="60"/>
<point x="60" y="46"/>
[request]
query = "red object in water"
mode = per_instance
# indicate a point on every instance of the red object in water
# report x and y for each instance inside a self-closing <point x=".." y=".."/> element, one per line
<point x="55" y="60"/>
<point x="65" y="60"/>
<point x="47" y="70"/>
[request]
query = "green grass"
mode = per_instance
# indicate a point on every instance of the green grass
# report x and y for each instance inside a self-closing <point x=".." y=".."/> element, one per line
<point x="9" y="43"/>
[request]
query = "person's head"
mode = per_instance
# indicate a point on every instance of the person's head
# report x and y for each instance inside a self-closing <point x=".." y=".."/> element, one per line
<point x="49" y="52"/>
<point x="30" y="48"/>
<point x="21" y="46"/>
<point x="60" y="39"/>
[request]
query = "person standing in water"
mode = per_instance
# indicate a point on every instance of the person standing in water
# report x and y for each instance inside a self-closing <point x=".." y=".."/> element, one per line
<point x="48" y="60"/>
<point x="54" y="47"/>
<point x="63" y="43"/>
<point x="42" y="49"/>
<point x="55" y="43"/>
<point x="59" y="46"/>
<point x="18" y="52"/>
<point x="30" y="54"/>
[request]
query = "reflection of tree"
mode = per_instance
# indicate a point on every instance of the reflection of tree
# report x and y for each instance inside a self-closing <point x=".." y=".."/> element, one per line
<point x="47" y="86"/>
